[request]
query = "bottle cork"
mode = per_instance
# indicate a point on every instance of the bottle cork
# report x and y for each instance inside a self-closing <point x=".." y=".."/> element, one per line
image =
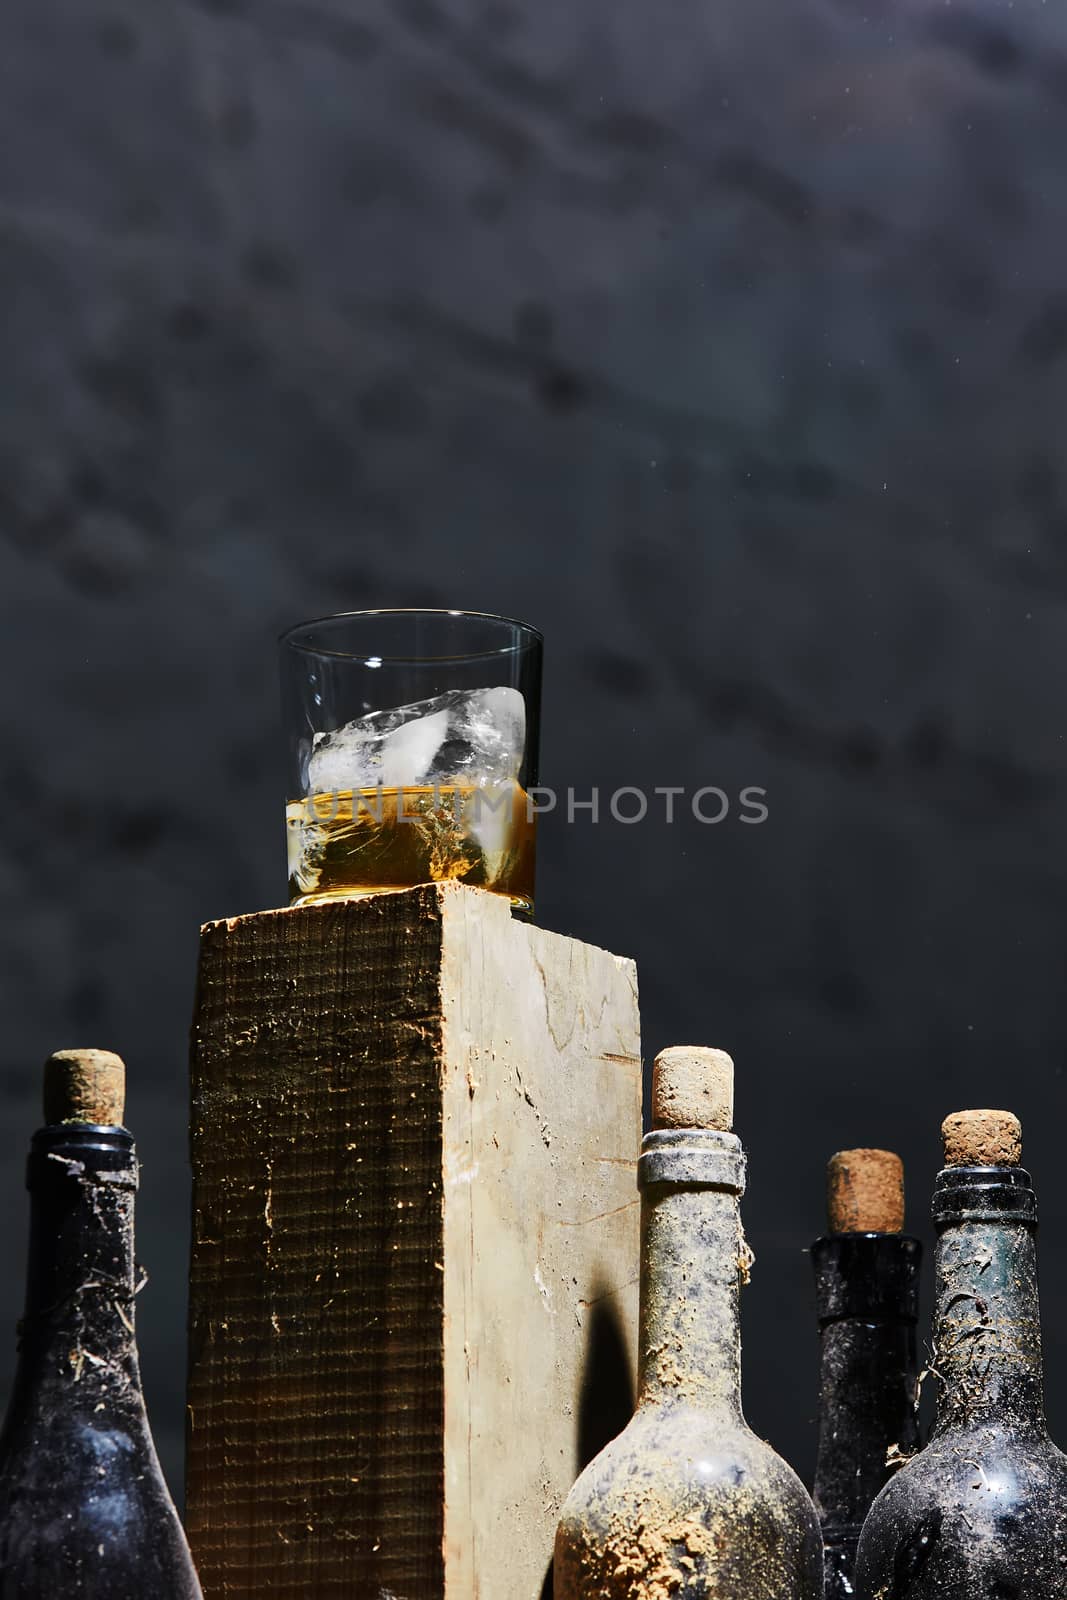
<point x="982" y="1139"/>
<point x="85" y="1086"/>
<point x="693" y="1087"/>
<point x="865" y="1192"/>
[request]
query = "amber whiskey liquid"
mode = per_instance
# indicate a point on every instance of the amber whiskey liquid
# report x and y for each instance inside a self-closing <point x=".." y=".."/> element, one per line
<point x="363" y="841"/>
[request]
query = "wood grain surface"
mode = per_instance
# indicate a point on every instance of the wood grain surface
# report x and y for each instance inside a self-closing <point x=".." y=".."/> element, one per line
<point x="413" y="1286"/>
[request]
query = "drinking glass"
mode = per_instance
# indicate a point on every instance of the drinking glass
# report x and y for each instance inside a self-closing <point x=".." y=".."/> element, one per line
<point x="412" y="747"/>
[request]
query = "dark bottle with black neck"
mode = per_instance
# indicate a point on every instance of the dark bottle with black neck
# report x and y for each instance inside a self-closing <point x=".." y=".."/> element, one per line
<point x="84" y="1511"/>
<point x="981" y="1512"/>
<point x="867" y="1303"/>
<point x="687" y="1501"/>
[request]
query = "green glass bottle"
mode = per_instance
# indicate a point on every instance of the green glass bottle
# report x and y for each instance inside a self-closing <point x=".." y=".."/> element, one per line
<point x="981" y="1512"/>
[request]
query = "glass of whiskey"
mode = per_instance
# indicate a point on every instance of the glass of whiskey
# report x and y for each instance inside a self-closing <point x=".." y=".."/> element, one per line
<point x="412" y="750"/>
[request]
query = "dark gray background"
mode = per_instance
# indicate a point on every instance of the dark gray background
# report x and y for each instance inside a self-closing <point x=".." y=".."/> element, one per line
<point x="727" y="342"/>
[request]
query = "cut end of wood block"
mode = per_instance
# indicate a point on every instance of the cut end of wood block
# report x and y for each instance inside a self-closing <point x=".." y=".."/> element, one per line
<point x="693" y="1087"/>
<point x="85" y="1086"/>
<point x="982" y="1139"/>
<point x="865" y="1192"/>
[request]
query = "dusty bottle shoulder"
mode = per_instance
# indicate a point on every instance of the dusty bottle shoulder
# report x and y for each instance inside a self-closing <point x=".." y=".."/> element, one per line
<point x="699" y="1446"/>
<point x="84" y="1509"/>
<point x="982" y="1465"/>
<point x="977" y="1512"/>
<point x="45" y="1452"/>
<point x="681" y="1490"/>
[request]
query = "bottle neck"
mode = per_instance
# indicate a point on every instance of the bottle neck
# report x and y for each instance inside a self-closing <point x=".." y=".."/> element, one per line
<point x="693" y="1257"/>
<point x="81" y="1283"/>
<point x="987" y="1322"/>
<point x="866" y="1287"/>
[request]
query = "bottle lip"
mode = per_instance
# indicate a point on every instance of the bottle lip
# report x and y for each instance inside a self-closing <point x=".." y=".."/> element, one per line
<point x="984" y="1194"/>
<point x="90" y="1135"/>
<point x="69" y="1149"/>
<point x="692" y="1158"/>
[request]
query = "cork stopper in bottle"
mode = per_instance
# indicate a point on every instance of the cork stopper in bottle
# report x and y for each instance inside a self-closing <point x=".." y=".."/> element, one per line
<point x="982" y="1139"/>
<point x="85" y="1086"/>
<point x="865" y="1192"/>
<point x="693" y="1087"/>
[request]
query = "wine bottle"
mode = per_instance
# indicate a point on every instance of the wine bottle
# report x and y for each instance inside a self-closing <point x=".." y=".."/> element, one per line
<point x="981" y="1512"/>
<point x="84" y="1511"/>
<point x="867" y="1304"/>
<point x="686" y="1501"/>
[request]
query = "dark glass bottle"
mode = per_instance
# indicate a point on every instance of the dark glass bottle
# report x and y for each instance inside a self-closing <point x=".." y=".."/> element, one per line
<point x="867" y="1294"/>
<point x="84" y="1511"/>
<point x="687" y="1501"/>
<point x="981" y="1512"/>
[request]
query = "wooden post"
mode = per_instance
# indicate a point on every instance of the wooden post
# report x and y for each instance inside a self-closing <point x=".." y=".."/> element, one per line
<point x="415" y="1245"/>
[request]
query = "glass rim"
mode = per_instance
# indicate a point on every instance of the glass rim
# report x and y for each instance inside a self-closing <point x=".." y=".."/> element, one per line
<point x="289" y="638"/>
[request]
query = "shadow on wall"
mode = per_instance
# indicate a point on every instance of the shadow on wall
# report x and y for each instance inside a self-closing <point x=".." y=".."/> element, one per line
<point x="606" y="1398"/>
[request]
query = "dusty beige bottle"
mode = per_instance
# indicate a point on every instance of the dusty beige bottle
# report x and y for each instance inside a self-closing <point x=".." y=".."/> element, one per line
<point x="687" y="1503"/>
